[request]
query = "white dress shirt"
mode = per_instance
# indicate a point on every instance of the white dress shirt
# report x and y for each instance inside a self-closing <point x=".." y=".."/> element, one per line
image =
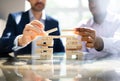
<point x="109" y="30"/>
<point x="2" y="26"/>
<point x="16" y="47"/>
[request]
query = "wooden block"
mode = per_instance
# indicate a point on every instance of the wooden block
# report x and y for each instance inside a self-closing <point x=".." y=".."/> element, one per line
<point x="73" y="42"/>
<point x="74" y="57"/>
<point x="45" y="53"/>
<point x="45" y="42"/>
<point x="71" y="38"/>
<point x="52" y="30"/>
<point x="70" y="52"/>
<point x="73" y="47"/>
<point x="44" y="50"/>
<point x="74" y="54"/>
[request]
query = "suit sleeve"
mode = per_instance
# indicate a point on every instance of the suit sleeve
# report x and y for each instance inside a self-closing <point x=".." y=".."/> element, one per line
<point x="8" y="36"/>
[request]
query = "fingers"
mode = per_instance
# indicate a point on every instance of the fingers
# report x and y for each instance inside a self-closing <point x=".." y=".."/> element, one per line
<point x="33" y="28"/>
<point x="90" y="45"/>
<point x="32" y="34"/>
<point x="87" y="34"/>
<point x="39" y="27"/>
<point x="37" y="23"/>
<point x="31" y="31"/>
<point x="88" y="39"/>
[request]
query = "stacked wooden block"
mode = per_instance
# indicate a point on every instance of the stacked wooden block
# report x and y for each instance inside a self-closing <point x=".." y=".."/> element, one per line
<point x="44" y="47"/>
<point x="73" y="48"/>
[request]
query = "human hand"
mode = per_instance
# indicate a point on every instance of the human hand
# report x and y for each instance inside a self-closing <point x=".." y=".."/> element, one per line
<point x="31" y="31"/>
<point x="88" y="35"/>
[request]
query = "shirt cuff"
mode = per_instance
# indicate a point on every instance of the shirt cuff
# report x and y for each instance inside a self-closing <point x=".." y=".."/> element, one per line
<point x="16" y="47"/>
<point x="109" y="45"/>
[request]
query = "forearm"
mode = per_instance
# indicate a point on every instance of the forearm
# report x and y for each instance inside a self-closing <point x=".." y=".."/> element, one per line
<point x="17" y="46"/>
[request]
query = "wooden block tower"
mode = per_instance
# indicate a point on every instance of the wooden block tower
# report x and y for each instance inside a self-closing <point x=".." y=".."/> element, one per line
<point x="73" y="48"/>
<point x="44" y="47"/>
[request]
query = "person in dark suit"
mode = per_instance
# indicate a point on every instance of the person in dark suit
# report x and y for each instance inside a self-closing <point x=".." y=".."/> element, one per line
<point x="16" y="25"/>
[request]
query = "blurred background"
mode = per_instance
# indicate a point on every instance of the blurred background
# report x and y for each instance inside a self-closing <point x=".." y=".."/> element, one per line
<point x="68" y="12"/>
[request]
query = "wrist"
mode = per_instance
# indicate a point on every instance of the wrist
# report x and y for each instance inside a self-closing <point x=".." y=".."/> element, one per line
<point x="20" y="41"/>
<point x="99" y="44"/>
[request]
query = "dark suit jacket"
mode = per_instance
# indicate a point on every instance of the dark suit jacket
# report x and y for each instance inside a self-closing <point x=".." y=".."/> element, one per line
<point x="13" y="29"/>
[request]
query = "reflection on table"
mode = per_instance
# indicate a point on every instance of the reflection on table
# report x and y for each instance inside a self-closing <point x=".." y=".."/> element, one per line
<point x="29" y="68"/>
